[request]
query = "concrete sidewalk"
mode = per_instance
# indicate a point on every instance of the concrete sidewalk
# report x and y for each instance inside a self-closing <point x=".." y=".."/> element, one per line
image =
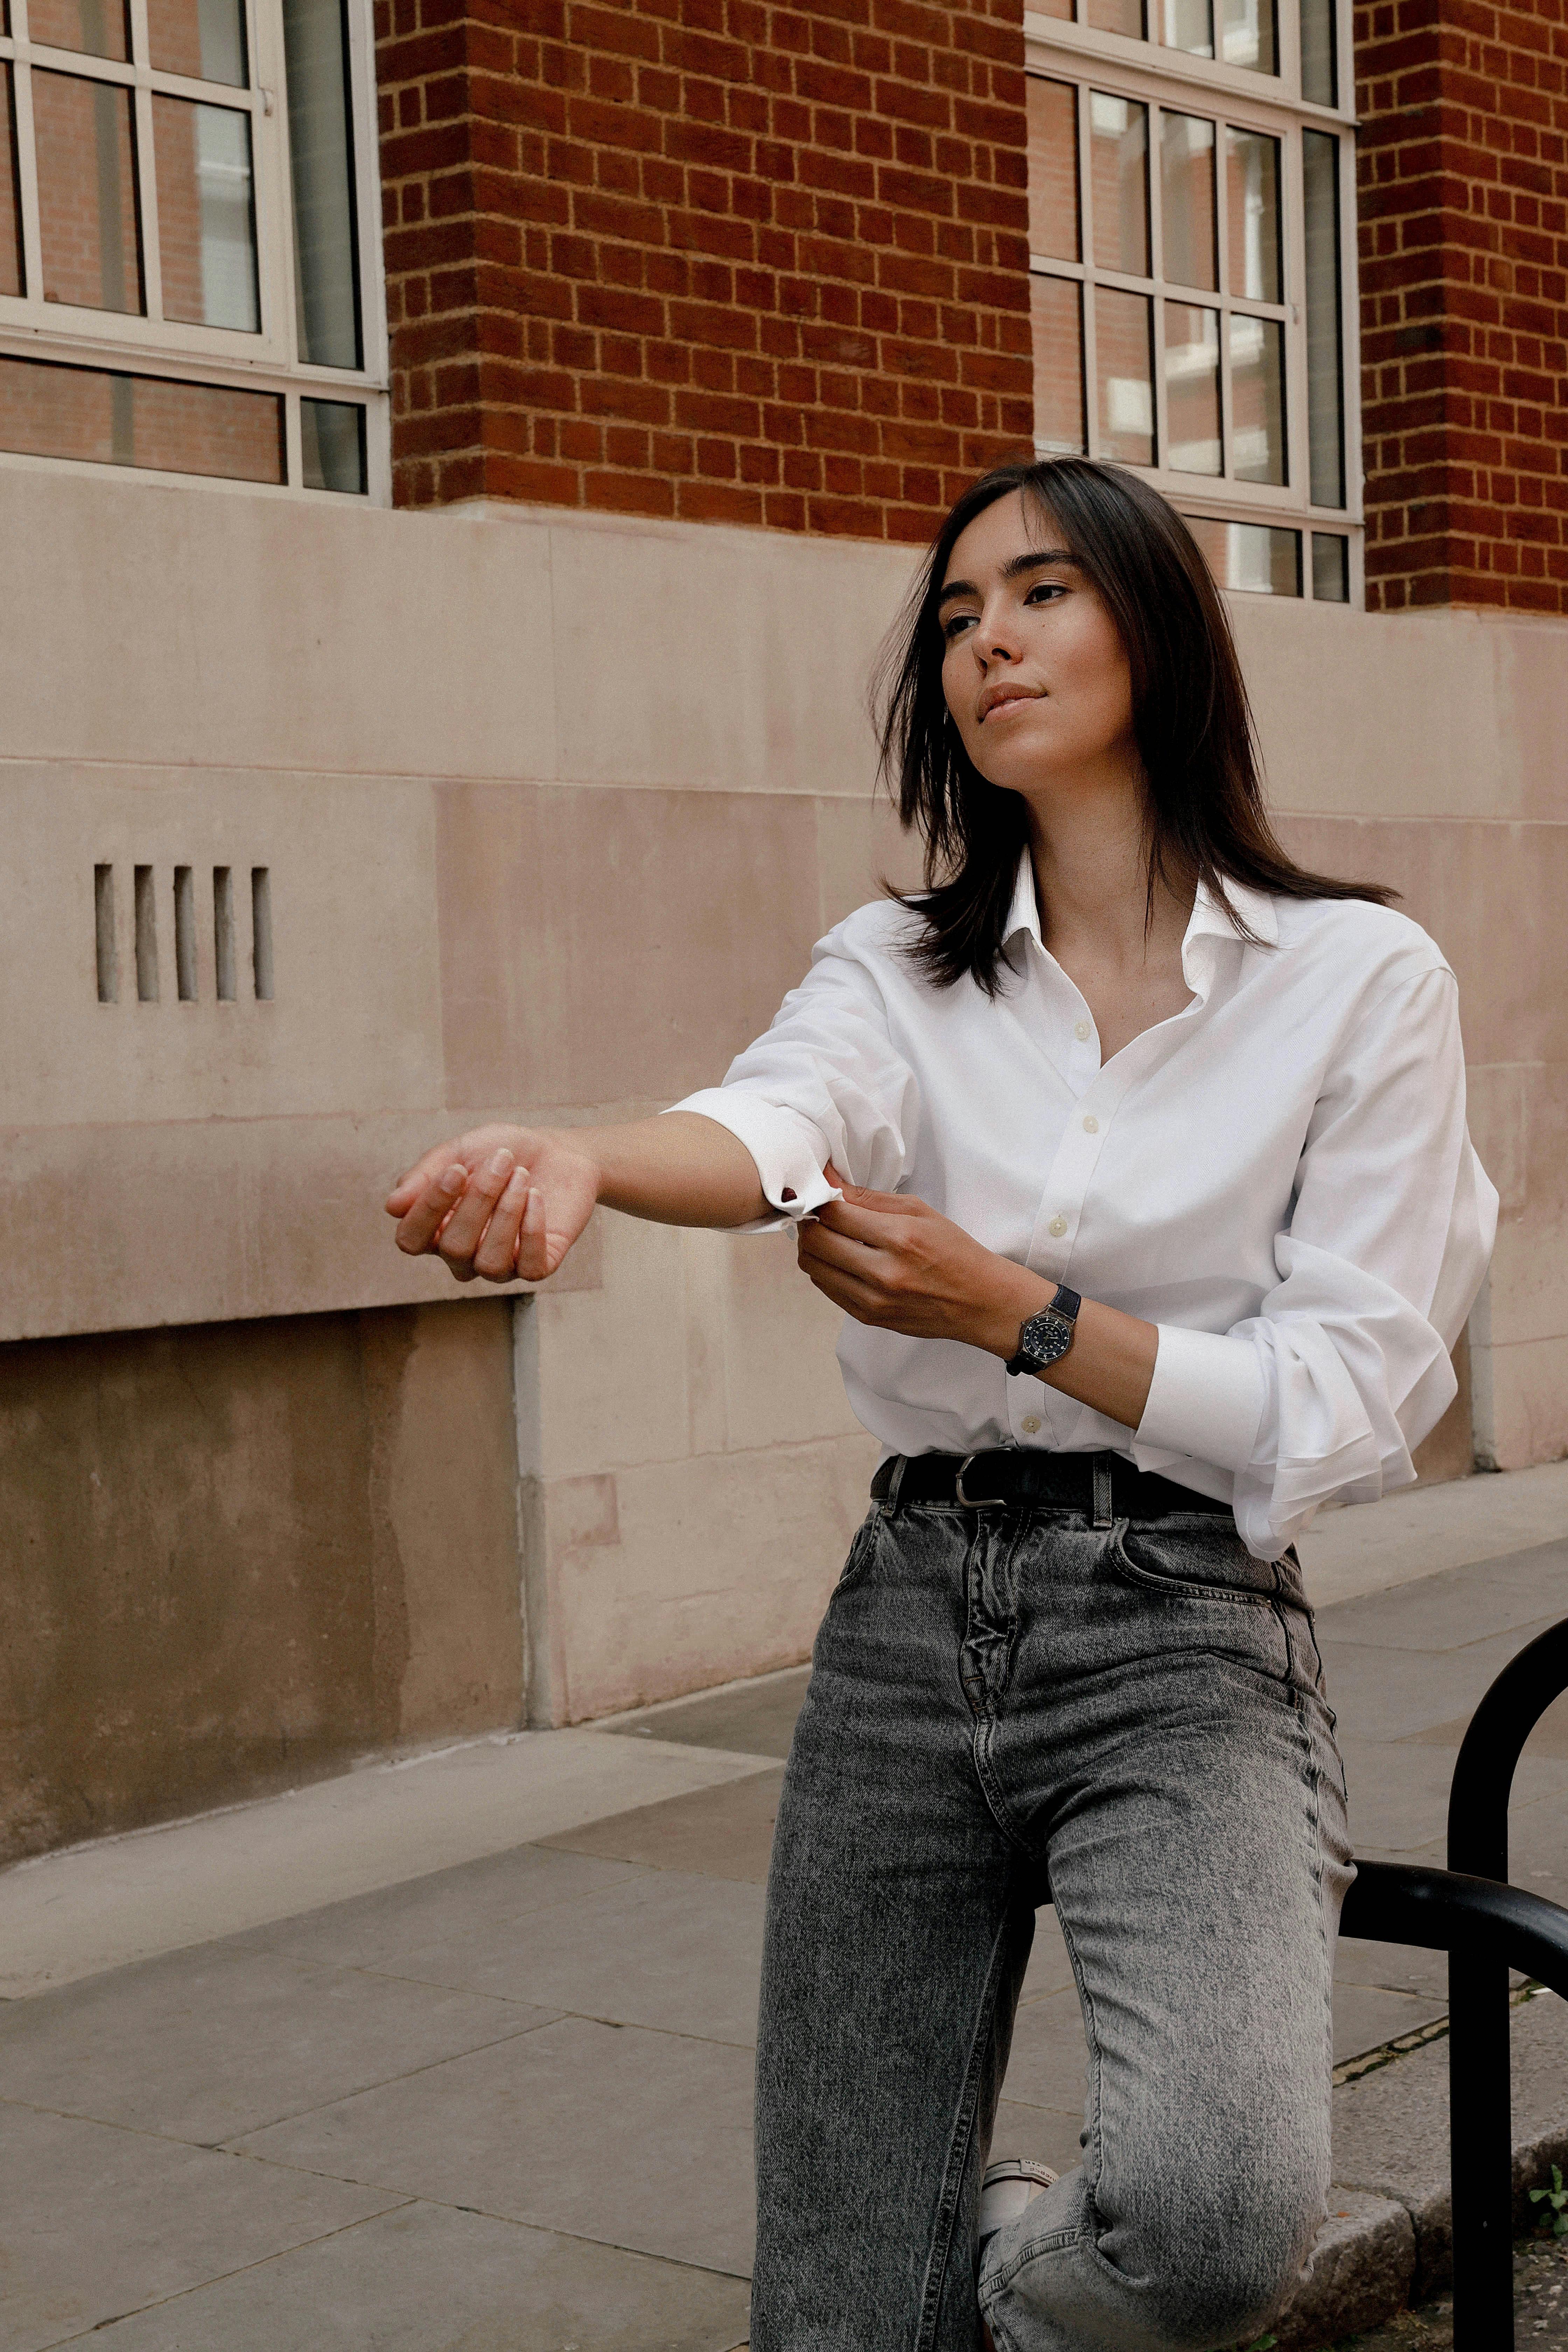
<point x="495" y="2095"/>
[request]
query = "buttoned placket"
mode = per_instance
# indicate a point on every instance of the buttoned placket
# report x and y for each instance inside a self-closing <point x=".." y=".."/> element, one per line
<point x="1040" y="1416"/>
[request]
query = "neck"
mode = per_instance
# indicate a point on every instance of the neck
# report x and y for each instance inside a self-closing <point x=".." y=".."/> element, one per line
<point x="1089" y="848"/>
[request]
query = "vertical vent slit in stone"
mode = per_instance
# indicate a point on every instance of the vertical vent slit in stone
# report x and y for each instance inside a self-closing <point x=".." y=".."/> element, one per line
<point x="223" y="931"/>
<point x="184" y="935"/>
<point x="108" y="946"/>
<point x="261" y="930"/>
<point x="147" y="936"/>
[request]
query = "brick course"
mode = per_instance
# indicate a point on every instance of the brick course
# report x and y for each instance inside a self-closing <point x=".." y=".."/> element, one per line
<point x="1463" y="207"/>
<point x="708" y="258"/>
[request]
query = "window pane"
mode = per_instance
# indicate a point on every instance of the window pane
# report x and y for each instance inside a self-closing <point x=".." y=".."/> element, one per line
<point x="1331" y="569"/>
<point x="202" y="39"/>
<point x="1250" y="36"/>
<point x="321" y="154"/>
<point x="1250" y="555"/>
<point x="1053" y="169"/>
<point x="1056" y="306"/>
<point x="1189" y="25"/>
<point x="1119" y="166"/>
<point x="1124" y="365"/>
<point x="1192" y="388"/>
<point x="87" y="193"/>
<point x="11" y="280"/>
<point x="1058" y="8"/>
<point x="1257" y="399"/>
<point x="1252" y="222"/>
<point x="331" y="435"/>
<point x="1325" y="358"/>
<point x="1118" y="16"/>
<point x="48" y="411"/>
<point x="1319" y="63"/>
<point x="97" y="26"/>
<point x="1186" y="198"/>
<point x="206" y="213"/>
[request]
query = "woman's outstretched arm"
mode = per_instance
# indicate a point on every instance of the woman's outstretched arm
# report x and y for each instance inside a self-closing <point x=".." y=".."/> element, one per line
<point x="508" y="1203"/>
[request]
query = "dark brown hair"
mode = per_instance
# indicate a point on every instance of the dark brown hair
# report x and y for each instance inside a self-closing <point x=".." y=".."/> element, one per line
<point x="1192" y="721"/>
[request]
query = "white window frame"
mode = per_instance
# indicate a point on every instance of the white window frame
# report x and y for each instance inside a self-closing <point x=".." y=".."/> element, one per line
<point x="269" y="361"/>
<point x="1078" y="52"/>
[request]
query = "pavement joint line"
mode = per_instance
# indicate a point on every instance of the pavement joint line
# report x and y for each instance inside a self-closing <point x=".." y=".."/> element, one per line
<point x="1351" y="2069"/>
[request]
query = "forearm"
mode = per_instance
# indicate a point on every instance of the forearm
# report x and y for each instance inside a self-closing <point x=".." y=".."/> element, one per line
<point x="680" y="1170"/>
<point x="1109" y="1367"/>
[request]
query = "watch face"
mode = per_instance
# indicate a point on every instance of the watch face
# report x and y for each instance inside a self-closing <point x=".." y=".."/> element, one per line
<point x="1045" y="1337"/>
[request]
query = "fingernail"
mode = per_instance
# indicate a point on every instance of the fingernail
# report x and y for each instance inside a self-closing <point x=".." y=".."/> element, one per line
<point x="454" y="1179"/>
<point x="499" y="1162"/>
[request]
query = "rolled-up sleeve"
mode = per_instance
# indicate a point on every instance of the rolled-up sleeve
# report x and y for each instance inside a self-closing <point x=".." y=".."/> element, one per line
<point x="1346" y="1366"/>
<point x="825" y="1083"/>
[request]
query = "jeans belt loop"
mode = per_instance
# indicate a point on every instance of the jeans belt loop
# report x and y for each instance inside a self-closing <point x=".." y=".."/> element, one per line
<point x="891" y="1500"/>
<point x="1103" y="1497"/>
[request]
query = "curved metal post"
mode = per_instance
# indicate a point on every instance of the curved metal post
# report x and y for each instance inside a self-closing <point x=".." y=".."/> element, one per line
<point x="1481" y="2110"/>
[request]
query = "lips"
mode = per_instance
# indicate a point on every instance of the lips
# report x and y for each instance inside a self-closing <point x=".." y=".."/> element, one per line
<point x="996" y="697"/>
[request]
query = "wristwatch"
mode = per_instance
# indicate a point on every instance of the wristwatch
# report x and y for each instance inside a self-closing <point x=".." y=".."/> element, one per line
<point x="1047" y="1337"/>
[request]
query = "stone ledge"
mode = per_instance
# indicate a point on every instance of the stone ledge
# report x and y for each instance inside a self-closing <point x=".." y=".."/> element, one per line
<point x="1389" y="2238"/>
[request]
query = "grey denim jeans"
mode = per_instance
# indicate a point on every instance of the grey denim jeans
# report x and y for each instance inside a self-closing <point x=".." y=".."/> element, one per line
<point x="1002" y="1702"/>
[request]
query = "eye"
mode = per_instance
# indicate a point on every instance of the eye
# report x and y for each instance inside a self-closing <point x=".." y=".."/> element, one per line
<point x="955" y="625"/>
<point x="1045" y="591"/>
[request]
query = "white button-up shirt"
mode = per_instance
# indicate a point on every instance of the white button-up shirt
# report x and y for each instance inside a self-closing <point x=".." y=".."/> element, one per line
<point x="1279" y="1177"/>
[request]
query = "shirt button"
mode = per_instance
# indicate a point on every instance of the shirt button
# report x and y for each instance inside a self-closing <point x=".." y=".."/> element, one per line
<point x="1090" y="1124"/>
<point x="1081" y="1031"/>
<point x="1058" y="1227"/>
<point x="1030" y="1424"/>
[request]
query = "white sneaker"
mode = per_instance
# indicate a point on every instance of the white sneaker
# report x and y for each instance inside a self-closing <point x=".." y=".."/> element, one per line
<point x="1009" y="2188"/>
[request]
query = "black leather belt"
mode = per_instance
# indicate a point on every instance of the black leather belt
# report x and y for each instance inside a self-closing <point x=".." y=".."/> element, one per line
<point x="1103" y="1485"/>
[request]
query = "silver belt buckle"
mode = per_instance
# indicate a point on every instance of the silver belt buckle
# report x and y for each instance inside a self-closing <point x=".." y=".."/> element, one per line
<point x="968" y="1501"/>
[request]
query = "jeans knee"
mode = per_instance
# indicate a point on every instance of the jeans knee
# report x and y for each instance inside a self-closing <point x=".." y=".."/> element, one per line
<point x="1220" y="2279"/>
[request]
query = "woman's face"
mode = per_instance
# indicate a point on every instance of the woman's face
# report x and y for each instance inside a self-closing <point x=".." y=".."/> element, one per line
<point x="1035" y="672"/>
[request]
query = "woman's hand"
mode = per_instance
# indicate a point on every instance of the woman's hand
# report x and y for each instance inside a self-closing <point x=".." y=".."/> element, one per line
<point x="894" y="1263"/>
<point x="503" y="1203"/>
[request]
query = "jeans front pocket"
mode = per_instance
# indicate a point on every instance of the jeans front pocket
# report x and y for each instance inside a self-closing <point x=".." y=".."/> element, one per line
<point x="1197" y="1556"/>
<point x="862" y="1548"/>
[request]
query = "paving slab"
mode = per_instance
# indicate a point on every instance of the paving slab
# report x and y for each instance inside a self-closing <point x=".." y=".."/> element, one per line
<point x="660" y="1948"/>
<point x="1459" y="1607"/>
<point x="94" y="2220"/>
<point x="634" y="2138"/>
<point x="1396" y="1692"/>
<point x="1398" y="1790"/>
<point x="74" y="1913"/>
<point x="754" y="1719"/>
<point x="1372" y="1548"/>
<point x="205" y="2044"/>
<point x="423" y="2279"/>
<point x="1053" y="2135"/>
<point x="722" y="1833"/>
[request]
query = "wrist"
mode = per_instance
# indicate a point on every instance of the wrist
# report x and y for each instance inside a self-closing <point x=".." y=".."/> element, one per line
<point x="1011" y="1299"/>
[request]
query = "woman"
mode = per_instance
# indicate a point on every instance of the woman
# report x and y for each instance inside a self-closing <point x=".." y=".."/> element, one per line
<point x="1136" y="1158"/>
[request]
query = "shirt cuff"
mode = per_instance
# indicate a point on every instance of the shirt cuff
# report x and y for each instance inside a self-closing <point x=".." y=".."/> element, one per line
<point x="1205" y="1399"/>
<point x="790" y="1152"/>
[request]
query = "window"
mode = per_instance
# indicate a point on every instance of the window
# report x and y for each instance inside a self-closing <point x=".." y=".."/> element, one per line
<point x="1191" y="233"/>
<point x="189" y="277"/>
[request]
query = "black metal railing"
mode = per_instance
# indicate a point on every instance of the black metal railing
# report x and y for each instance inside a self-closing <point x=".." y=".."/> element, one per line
<point x="1487" y="1927"/>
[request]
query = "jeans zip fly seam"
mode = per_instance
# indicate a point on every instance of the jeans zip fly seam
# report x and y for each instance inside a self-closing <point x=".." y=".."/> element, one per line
<point x="958" y="2149"/>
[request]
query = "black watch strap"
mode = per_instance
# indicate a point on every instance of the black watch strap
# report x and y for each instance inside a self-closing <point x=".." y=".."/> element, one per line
<point x="1047" y="1337"/>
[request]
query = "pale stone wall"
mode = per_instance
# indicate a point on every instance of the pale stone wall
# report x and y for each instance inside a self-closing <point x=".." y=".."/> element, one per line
<point x="552" y="809"/>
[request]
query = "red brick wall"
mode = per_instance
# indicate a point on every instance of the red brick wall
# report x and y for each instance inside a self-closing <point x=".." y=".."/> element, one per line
<point x="709" y="259"/>
<point x="1463" y="165"/>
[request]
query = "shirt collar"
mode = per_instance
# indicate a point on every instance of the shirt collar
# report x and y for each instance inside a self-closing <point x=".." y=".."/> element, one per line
<point x="1210" y="919"/>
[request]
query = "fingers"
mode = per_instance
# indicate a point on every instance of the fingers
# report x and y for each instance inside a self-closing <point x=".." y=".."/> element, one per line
<point x="495" y="1259"/>
<point x="432" y="1206"/>
<point x="533" y="1242"/>
<point x="408" y="1188"/>
<point x="464" y="1228"/>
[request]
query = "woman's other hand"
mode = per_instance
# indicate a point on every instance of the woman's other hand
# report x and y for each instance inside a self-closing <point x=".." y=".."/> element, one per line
<point x="892" y="1262"/>
<point x="502" y="1202"/>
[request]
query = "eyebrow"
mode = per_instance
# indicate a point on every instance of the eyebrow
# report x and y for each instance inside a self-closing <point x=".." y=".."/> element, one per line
<point x="1035" y="561"/>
